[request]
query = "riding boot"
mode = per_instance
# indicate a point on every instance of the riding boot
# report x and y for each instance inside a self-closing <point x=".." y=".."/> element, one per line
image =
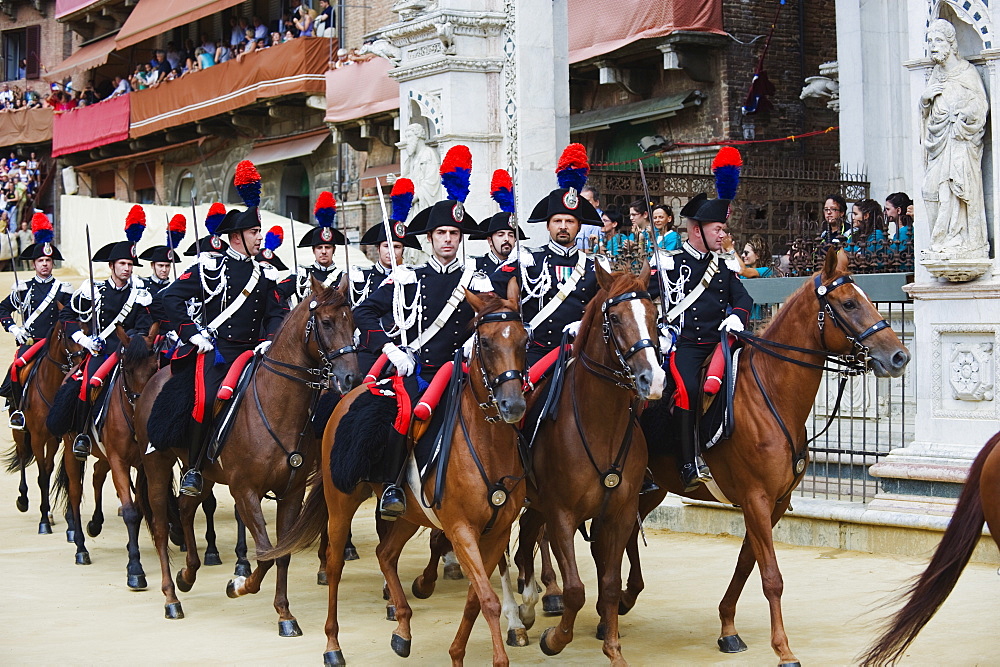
<point x="393" y="501"/>
<point x="692" y="467"/>
<point x="16" y="417"/>
<point x="191" y="482"/>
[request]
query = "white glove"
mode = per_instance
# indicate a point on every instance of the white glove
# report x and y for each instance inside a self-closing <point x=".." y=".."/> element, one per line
<point x="92" y="344"/>
<point x="401" y="360"/>
<point x="666" y="345"/>
<point x="467" y="348"/>
<point x="172" y="337"/>
<point x="731" y="323"/>
<point x="20" y="334"/>
<point x="573" y="328"/>
<point x="202" y="342"/>
<point x="262" y="347"/>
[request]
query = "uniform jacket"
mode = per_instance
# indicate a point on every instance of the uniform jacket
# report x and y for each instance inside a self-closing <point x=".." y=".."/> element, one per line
<point x="30" y="296"/>
<point x="111" y="301"/>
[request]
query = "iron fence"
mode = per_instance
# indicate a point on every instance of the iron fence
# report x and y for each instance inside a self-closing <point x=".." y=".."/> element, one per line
<point x="876" y="414"/>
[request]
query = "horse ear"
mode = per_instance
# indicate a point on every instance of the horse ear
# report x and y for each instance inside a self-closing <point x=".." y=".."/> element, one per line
<point x="514" y="292"/>
<point x="345" y="282"/>
<point x="831" y="263"/>
<point x="603" y="277"/>
<point x="644" y="273"/>
<point x="474" y="301"/>
<point x="315" y="286"/>
<point x="843" y="261"/>
<point x="153" y="333"/>
<point x="122" y="336"/>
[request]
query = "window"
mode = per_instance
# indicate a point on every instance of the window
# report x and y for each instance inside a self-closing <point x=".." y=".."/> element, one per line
<point x="187" y="187"/>
<point x="144" y="182"/>
<point x="104" y="185"/>
<point x="20" y="50"/>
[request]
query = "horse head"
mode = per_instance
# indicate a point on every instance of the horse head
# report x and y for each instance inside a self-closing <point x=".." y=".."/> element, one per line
<point x="499" y="349"/>
<point x="628" y="322"/>
<point x="138" y="362"/>
<point x="857" y="326"/>
<point x="329" y="333"/>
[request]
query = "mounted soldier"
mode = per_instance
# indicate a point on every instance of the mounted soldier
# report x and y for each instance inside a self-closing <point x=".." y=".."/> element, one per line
<point x="238" y="308"/>
<point x="323" y="239"/>
<point x="501" y="231"/>
<point x="161" y="257"/>
<point x="119" y="301"/>
<point x="705" y="296"/>
<point x="37" y="300"/>
<point x="558" y="279"/>
<point x="427" y="303"/>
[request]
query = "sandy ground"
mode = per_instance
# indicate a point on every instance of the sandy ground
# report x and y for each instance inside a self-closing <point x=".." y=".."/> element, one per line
<point x="56" y="612"/>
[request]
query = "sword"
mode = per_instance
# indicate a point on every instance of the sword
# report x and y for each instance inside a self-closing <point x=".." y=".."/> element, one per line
<point x="197" y="254"/>
<point x="656" y="248"/>
<point x="93" y="295"/>
<point x="295" y="256"/>
<point x="13" y="265"/>
<point x="397" y="287"/>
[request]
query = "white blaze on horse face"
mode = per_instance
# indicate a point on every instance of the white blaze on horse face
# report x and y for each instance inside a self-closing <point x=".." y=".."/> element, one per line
<point x="659" y="377"/>
<point x="506" y="332"/>
<point x="862" y="293"/>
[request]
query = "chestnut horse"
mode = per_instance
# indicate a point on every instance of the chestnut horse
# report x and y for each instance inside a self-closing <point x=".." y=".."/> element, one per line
<point x="589" y="462"/>
<point x="978" y="502"/>
<point x="270" y="448"/>
<point x="35" y="442"/>
<point x="766" y="457"/>
<point x="483" y="486"/>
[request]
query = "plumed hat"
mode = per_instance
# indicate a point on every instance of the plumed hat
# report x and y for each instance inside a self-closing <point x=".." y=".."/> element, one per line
<point x="176" y="229"/>
<point x="402" y="200"/>
<point x="324" y="233"/>
<point x="726" y="168"/>
<point x="135" y="225"/>
<point x="272" y="241"/>
<point x="456" y="170"/>
<point x="41" y="228"/>
<point x="502" y="192"/>
<point x="247" y="182"/>
<point x="571" y="173"/>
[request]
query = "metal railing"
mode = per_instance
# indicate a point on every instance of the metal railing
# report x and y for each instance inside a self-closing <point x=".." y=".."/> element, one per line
<point x="876" y="414"/>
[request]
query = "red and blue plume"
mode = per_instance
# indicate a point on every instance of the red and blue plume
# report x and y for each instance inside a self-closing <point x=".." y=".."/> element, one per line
<point x="176" y="229"/>
<point x="456" y="170"/>
<point x="274" y="238"/>
<point x="573" y="167"/>
<point x="726" y="167"/>
<point x="247" y="182"/>
<point x="402" y="199"/>
<point x="135" y="224"/>
<point x="216" y="213"/>
<point x="326" y="209"/>
<point x="41" y="227"/>
<point x="502" y="190"/>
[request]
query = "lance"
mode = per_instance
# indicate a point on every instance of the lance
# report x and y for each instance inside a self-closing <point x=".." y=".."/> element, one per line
<point x="295" y="256"/>
<point x="197" y="254"/>
<point x="397" y="287"/>
<point x="170" y="246"/>
<point x="656" y="248"/>
<point x="13" y="265"/>
<point x="347" y="266"/>
<point x="93" y="295"/>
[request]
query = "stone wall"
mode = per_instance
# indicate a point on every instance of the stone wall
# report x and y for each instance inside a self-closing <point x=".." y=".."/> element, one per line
<point x="57" y="42"/>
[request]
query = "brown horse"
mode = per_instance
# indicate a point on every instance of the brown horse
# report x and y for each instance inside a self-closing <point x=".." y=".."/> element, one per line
<point x="35" y="442"/>
<point x="766" y="457"/>
<point x="589" y="462"/>
<point x="270" y="448"/>
<point x="482" y="493"/>
<point x="978" y="502"/>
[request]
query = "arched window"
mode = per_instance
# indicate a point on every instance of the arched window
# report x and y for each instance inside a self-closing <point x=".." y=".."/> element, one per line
<point x="187" y="187"/>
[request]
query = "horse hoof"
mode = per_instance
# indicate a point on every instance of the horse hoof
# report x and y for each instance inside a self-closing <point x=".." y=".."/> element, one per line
<point x="173" y="611"/>
<point x="242" y="569"/>
<point x="82" y="558"/>
<point x="790" y="664"/>
<point x="94" y="528"/>
<point x="624" y="608"/>
<point x="136" y="582"/>
<point x="45" y="528"/>
<point x="517" y="637"/>
<point x="453" y="571"/>
<point x="350" y="553"/>
<point x="334" y="659"/>
<point x="182" y="583"/>
<point x="732" y="644"/>
<point x="213" y="558"/>
<point x="22" y="504"/>
<point x="419" y="592"/>
<point x="400" y="646"/>
<point x="527" y="615"/>
<point x="231" y="587"/>
<point x="289" y="628"/>
<point x="552" y="605"/>
<point x="390" y="612"/>
<point x="321" y="581"/>
<point x="544" y="645"/>
<point x="602" y="630"/>
<point x="70" y="536"/>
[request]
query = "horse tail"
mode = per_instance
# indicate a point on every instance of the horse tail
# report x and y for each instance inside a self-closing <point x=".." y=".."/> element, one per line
<point x="360" y="440"/>
<point x="929" y="590"/>
<point x="306" y="528"/>
<point x="60" y="488"/>
<point x="19" y="457"/>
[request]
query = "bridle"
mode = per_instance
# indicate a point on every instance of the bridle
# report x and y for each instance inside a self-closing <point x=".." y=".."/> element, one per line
<point x="491" y="404"/>
<point x="623" y="377"/>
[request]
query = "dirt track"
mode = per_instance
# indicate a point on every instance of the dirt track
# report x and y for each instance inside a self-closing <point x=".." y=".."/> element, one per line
<point x="57" y="612"/>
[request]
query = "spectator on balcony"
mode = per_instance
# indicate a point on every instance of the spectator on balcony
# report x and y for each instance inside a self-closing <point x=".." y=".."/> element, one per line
<point x="223" y="53"/>
<point x="259" y="29"/>
<point x="22" y="69"/>
<point x="172" y="55"/>
<point x="304" y="22"/>
<point x="208" y="44"/>
<point x="236" y="31"/>
<point x="664" y="235"/>
<point x="33" y="165"/>
<point x="249" y="47"/>
<point x="122" y="87"/>
<point x="6" y="97"/>
<point x="325" y="25"/>
<point x="899" y="212"/>
<point x="275" y="38"/>
<point x="755" y="261"/>
<point x="32" y="100"/>
<point x="205" y="59"/>
<point x="289" y="35"/>
<point x="866" y="216"/>
<point x="834" y="219"/>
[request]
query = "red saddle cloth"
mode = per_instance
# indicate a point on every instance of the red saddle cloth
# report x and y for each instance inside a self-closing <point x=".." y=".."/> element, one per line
<point x="392" y="387"/>
<point x="435" y="390"/>
<point x="22" y="361"/>
<point x="716" y="369"/>
<point x="97" y="379"/>
<point x="232" y="378"/>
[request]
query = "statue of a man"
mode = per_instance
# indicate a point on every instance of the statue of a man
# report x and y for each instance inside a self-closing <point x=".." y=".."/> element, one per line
<point x="953" y="112"/>
<point x="422" y="166"/>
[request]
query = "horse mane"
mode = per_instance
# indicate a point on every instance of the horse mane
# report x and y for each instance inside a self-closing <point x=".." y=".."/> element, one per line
<point x="136" y="352"/>
<point x="806" y="286"/>
<point x="621" y="282"/>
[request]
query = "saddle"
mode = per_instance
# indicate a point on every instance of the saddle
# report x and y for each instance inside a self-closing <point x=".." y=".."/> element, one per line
<point x="22" y="361"/>
<point x="228" y="400"/>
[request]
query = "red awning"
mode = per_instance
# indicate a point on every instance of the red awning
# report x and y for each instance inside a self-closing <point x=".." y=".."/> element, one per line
<point x="25" y="126"/>
<point x="360" y="89"/>
<point x="67" y="7"/>
<point x="89" y="127"/>
<point x="592" y="34"/>
<point x="90" y="56"/>
<point x="155" y="17"/>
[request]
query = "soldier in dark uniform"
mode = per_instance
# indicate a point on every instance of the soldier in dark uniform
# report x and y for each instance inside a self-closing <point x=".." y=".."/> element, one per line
<point x="323" y="239"/>
<point x="722" y="305"/>
<point x="36" y="299"/>
<point x="121" y="300"/>
<point x="438" y="318"/>
<point x="557" y="280"/>
<point x="240" y="310"/>
<point x="160" y="257"/>
<point x="500" y="232"/>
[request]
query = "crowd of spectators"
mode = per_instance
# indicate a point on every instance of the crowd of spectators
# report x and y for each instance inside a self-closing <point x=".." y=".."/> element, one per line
<point x="12" y="98"/>
<point x="19" y="182"/>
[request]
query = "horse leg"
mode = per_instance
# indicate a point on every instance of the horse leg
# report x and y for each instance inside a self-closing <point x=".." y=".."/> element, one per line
<point x="46" y="465"/>
<point x="251" y="511"/>
<point x="350" y="551"/>
<point x="121" y="478"/>
<point x="647" y="503"/>
<point x="730" y="640"/>
<point x="340" y="509"/>
<point x="562" y="530"/>
<point x="388" y="552"/>
<point x="158" y="470"/>
<point x="324" y="544"/>
<point x="74" y="471"/>
<point x="423" y="585"/>
<point x="530" y="525"/>
<point x="757" y="513"/>
<point x="186" y="576"/>
<point x="22" y="446"/>
<point x="469" y="615"/>
<point x="517" y="634"/>
<point x="607" y="549"/>
<point x="479" y="558"/>
<point x="288" y="509"/>
<point x="101" y="469"/>
<point x="209" y="505"/>
<point x="242" y="564"/>
<point x="552" y="599"/>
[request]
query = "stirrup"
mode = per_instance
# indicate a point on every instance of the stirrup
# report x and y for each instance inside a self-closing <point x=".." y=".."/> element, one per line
<point x="694" y="474"/>
<point x="392" y="504"/>
<point x="191" y="483"/>
<point x="17" y="421"/>
<point x="81" y="447"/>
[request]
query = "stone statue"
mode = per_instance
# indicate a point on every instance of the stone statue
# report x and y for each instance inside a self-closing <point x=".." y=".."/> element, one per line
<point x="421" y="165"/>
<point x="953" y="112"/>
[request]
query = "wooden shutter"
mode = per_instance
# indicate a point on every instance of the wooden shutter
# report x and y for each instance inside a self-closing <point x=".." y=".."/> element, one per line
<point x="33" y="51"/>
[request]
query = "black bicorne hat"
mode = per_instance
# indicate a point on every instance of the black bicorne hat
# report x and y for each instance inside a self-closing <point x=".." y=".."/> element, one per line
<point x="702" y="209"/>
<point x="267" y="256"/>
<point x="447" y="213"/>
<point x="565" y="201"/>
<point x="39" y="250"/>
<point x="113" y="252"/>
<point x="322" y="236"/>
<point x="499" y="222"/>
<point x="376" y="235"/>
<point x="160" y="253"/>
<point x="206" y="244"/>
<point x="237" y="220"/>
